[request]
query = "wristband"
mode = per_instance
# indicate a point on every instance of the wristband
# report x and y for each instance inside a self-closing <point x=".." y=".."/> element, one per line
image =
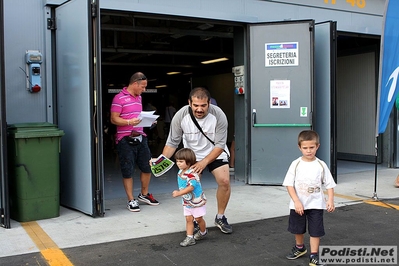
<point x="128" y="122"/>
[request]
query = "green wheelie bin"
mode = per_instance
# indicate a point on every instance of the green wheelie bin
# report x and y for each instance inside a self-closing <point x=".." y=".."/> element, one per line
<point x="34" y="182"/>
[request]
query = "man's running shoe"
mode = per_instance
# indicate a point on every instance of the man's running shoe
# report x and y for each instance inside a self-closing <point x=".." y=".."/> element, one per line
<point x="133" y="206"/>
<point x="296" y="253"/>
<point x="149" y="199"/>
<point x="223" y="225"/>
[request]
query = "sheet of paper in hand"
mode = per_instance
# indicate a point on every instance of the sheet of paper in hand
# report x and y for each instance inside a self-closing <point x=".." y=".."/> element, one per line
<point x="161" y="165"/>
<point x="147" y="118"/>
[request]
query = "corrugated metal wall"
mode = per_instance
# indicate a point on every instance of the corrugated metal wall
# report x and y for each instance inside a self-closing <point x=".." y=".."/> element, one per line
<point x="356" y="106"/>
<point x="25" y="29"/>
<point x="351" y="17"/>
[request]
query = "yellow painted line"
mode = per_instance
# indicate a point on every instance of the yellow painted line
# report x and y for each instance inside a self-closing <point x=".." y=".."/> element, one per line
<point x="383" y="204"/>
<point x="368" y="201"/>
<point x="49" y="250"/>
<point x="346" y="197"/>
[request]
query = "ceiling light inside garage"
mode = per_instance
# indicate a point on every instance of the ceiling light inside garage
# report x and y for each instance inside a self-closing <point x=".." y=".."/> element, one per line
<point x="205" y="38"/>
<point x="172" y="73"/>
<point x="161" y="43"/>
<point x="176" y="36"/>
<point x="205" y="26"/>
<point x="215" y="60"/>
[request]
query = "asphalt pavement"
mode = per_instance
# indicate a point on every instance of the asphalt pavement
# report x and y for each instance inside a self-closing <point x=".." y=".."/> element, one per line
<point x="259" y="215"/>
<point x="261" y="242"/>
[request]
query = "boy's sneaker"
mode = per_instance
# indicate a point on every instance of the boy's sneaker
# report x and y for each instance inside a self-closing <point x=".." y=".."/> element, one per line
<point x="149" y="199"/>
<point x="296" y="253"/>
<point x="223" y="225"/>
<point x="314" y="261"/>
<point x="133" y="206"/>
<point x="199" y="236"/>
<point x="188" y="241"/>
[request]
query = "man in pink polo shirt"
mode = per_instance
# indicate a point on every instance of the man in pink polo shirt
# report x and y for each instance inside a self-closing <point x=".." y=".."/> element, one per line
<point x="131" y="141"/>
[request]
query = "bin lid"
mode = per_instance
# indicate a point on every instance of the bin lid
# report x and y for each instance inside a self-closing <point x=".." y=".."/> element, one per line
<point x="34" y="130"/>
<point x="32" y="126"/>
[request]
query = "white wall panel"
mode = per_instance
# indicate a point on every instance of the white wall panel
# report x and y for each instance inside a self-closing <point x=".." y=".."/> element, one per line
<point x="23" y="30"/>
<point x="356" y="104"/>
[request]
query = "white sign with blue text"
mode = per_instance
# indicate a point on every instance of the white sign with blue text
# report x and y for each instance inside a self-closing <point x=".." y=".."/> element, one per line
<point x="281" y="54"/>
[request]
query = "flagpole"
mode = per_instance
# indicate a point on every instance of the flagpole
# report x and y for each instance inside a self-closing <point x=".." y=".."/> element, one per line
<point x="375" y="196"/>
<point x="378" y="111"/>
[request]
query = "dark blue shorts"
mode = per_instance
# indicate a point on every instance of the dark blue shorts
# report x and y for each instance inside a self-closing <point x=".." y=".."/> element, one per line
<point x="216" y="164"/>
<point x="297" y="223"/>
<point x="130" y="156"/>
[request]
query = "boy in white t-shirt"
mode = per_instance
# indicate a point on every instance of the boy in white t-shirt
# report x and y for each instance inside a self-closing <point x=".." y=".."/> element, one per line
<point x="304" y="180"/>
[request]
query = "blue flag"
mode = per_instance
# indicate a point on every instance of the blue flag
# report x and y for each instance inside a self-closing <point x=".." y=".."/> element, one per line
<point x="389" y="66"/>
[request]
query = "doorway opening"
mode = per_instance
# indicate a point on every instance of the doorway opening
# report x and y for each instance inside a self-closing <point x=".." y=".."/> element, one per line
<point x="172" y="53"/>
<point x="170" y="50"/>
<point x="357" y="89"/>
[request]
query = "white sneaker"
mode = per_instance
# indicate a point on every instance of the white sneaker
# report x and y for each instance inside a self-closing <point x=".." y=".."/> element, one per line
<point x="188" y="241"/>
<point x="133" y="206"/>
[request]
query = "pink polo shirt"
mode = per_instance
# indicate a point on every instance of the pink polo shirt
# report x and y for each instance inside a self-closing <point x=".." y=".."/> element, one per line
<point x="128" y="107"/>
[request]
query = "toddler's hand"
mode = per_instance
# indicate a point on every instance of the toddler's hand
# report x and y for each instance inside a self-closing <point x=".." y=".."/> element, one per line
<point x="175" y="193"/>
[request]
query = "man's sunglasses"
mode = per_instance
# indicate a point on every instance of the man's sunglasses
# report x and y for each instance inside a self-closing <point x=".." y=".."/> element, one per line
<point x="142" y="78"/>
